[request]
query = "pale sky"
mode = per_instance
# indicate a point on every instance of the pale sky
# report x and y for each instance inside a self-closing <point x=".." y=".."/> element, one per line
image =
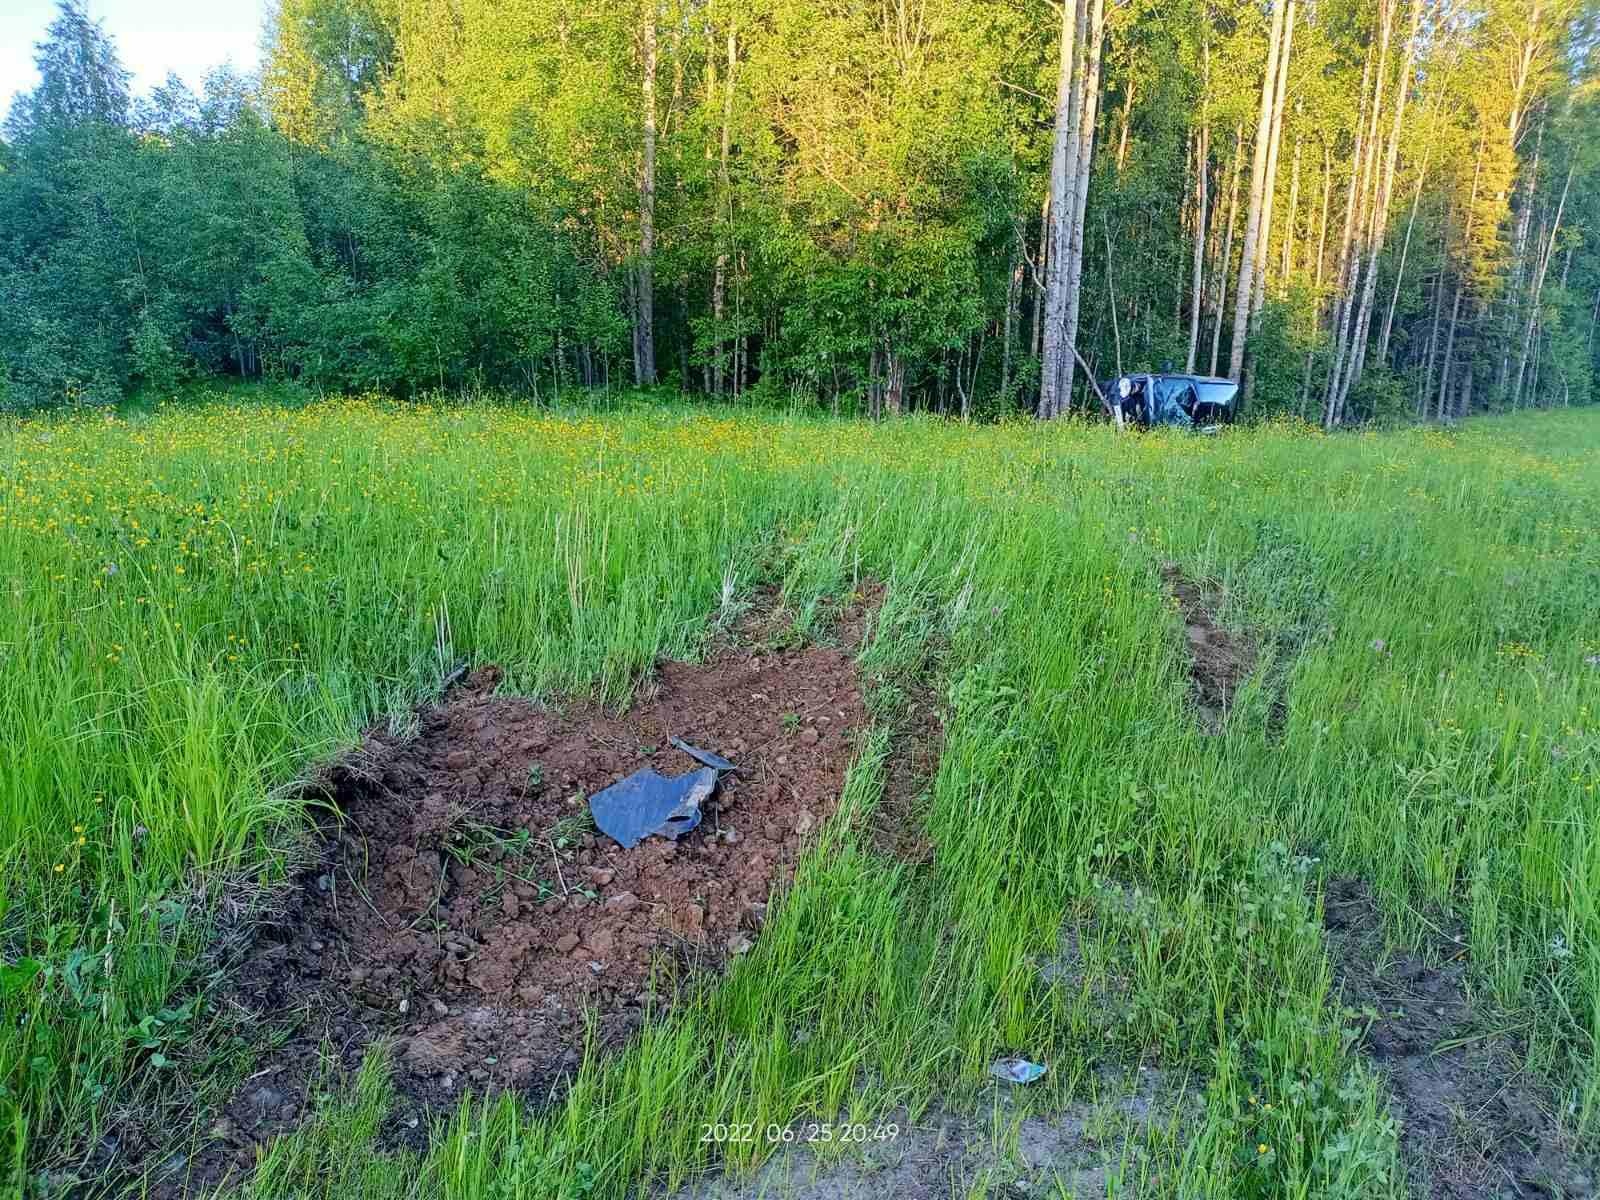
<point x="153" y="37"/>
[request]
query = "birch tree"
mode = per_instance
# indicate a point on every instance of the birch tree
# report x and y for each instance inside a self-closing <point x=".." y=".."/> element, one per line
<point x="1056" y="371"/>
<point x="1245" y="292"/>
<point x="644" y="321"/>
<point x="1202" y="167"/>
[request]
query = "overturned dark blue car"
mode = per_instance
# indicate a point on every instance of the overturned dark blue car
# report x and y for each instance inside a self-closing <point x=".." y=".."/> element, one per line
<point x="1201" y="403"/>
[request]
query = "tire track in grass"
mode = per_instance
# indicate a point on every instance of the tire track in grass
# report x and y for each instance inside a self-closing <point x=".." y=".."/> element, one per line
<point x="1473" y="1124"/>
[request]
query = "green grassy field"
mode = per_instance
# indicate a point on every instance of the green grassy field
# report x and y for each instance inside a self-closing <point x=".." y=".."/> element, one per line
<point x="203" y="602"/>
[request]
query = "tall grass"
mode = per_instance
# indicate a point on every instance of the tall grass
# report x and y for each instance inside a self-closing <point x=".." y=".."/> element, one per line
<point x="204" y="601"/>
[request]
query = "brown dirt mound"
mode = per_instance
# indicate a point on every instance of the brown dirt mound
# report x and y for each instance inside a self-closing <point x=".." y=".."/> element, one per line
<point x="1218" y="660"/>
<point x="1472" y="1123"/>
<point x="465" y="907"/>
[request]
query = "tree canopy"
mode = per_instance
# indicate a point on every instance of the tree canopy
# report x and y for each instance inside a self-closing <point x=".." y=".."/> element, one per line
<point x="821" y="202"/>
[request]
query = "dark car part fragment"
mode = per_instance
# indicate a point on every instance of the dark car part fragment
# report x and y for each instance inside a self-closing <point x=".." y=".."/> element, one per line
<point x="704" y="757"/>
<point x="647" y="803"/>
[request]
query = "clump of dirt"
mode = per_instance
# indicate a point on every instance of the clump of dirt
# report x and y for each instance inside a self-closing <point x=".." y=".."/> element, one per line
<point x="1219" y="662"/>
<point x="464" y="906"/>
<point x="1472" y="1124"/>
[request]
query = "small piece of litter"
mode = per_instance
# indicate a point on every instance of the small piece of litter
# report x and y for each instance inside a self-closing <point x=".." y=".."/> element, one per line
<point x="715" y="761"/>
<point x="1016" y="1070"/>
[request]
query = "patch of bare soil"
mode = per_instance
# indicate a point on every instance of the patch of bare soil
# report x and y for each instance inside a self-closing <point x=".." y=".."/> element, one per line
<point x="1472" y="1123"/>
<point x="1219" y="662"/>
<point x="1082" y="1150"/>
<point x="464" y="906"/>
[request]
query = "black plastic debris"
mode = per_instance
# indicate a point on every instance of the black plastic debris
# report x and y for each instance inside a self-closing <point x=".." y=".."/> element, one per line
<point x="647" y="803"/>
<point x="715" y="761"/>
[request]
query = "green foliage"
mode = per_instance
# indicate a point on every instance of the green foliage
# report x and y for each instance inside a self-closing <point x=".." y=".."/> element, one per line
<point x="1381" y="396"/>
<point x="424" y="195"/>
<point x="156" y="362"/>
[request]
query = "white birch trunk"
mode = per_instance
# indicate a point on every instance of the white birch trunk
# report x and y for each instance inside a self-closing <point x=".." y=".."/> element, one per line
<point x="1090" y="109"/>
<point x="1226" y="265"/>
<point x="644" y="338"/>
<point x="1055" y="375"/>
<point x="1258" y="174"/>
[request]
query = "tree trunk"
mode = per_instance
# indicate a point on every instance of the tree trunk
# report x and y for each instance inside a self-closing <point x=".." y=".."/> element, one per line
<point x="1202" y="163"/>
<point x="1258" y="173"/>
<point x="1055" y="384"/>
<point x="1111" y="295"/>
<point x="1322" y="227"/>
<point x="1519" y="261"/>
<point x="1380" y="217"/>
<point x="1449" y="351"/>
<point x="1365" y="247"/>
<point x="1040" y="274"/>
<point x="1269" y="199"/>
<point x="1127" y="123"/>
<point x="1341" y="286"/>
<point x="1227" y="245"/>
<point x="644" y="333"/>
<point x="895" y="385"/>
<point x="1405" y="249"/>
<point x="1090" y="101"/>
<point x="1536" y="294"/>
<point x="1461" y="278"/>
<point x="719" y="283"/>
<point x="1425" y="391"/>
<point x="1013" y="320"/>
<point x="1289" y="225"/>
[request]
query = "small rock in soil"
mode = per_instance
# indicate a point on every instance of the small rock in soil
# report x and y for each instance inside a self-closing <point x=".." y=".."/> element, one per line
<point x="691" y="918"/>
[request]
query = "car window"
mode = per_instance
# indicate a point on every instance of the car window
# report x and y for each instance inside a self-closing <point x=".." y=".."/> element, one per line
<point x="1219" y="392"/>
